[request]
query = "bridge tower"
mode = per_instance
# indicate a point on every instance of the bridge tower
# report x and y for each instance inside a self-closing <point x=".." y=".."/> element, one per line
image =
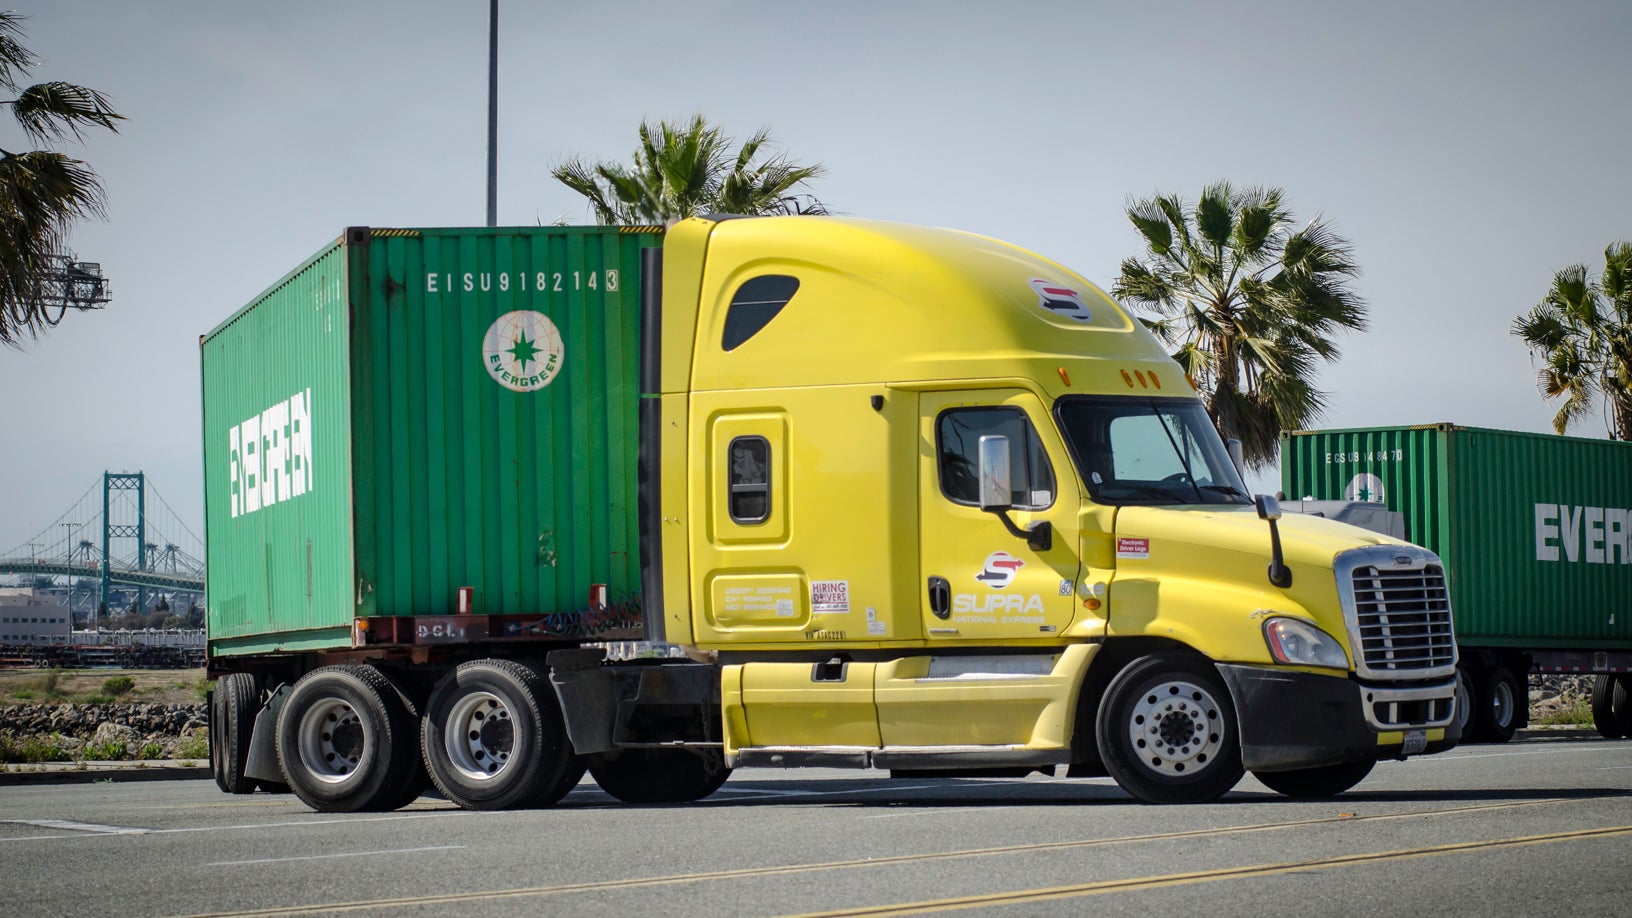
<point x="126" y="481"/>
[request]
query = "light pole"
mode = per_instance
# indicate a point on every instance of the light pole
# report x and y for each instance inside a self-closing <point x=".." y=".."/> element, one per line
<point x="493" y="113"/>
<point x="70" y="600"/>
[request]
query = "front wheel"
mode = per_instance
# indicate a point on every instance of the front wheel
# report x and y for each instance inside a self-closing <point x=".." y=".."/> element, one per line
<point x="1324" y="781"/>
<point x="1465" y="724"/>
<point x="1167" y="730"/>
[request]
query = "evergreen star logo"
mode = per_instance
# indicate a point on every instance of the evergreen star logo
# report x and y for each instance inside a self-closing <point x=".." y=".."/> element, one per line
<point x="522" y="350"/>
<point x="1364" y="487"/>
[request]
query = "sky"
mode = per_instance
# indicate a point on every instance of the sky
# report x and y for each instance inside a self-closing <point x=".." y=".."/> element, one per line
<point x="1467" y="150"/>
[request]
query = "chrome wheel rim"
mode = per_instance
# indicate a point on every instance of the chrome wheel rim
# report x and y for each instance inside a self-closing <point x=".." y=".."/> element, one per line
<point x="332" y="740"/>
<point x="480" y="736"/>
<point x="1176" y="728"/>
<point x="1501" y="704"/>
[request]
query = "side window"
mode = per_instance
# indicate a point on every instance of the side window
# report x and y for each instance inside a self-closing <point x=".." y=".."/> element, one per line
<point x="750" y="479"/>
<point x="754" y="305"/>
<point x="957" y="443"/>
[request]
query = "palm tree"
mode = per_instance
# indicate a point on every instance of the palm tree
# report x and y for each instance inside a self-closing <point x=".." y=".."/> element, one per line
<point x="1582" y="331"/>
<point x="682" y="170"/>
<point x="1249" y="302"/>
<point x="42" y="192"/>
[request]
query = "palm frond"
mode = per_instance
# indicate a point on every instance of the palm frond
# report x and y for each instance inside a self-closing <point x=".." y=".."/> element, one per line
<point x="56" y="111"/>
<point x="15" y="60"/>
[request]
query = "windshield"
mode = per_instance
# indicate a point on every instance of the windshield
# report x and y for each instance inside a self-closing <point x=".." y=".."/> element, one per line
<point x="1148" y="451"/>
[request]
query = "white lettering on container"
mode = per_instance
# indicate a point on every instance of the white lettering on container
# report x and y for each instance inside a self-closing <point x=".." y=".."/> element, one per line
<point x="269" y="456"/>
<point x="1591" y="535"/>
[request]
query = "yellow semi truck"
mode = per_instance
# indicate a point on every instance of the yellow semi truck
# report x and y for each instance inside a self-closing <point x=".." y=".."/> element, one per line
<point x="908" y="498"/>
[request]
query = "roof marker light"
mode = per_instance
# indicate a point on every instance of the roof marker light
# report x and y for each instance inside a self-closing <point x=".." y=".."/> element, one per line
<point x="1065" y="377"/>
<point x="1127" y="379"/>
<point x="1141" y="375"/>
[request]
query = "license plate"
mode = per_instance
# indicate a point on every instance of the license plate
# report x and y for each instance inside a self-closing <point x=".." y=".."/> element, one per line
<point x="1415" y="742"/>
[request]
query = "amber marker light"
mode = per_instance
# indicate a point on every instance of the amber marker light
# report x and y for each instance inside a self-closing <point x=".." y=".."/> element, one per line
<point x="1091" y="604"/>
<point x="1127" y="379"/>
<point x="1065" y="377"/>
<point x="1154" y="381"/>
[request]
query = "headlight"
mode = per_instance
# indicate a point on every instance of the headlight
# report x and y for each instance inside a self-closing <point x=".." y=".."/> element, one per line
<point x="1302" y="644"/>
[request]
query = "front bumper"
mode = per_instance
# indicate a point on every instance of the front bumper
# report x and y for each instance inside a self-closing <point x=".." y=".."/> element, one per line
<point x="1292" y="720"/>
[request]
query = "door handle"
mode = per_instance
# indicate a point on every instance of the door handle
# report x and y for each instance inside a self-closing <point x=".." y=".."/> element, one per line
<point x="940" y="597"/>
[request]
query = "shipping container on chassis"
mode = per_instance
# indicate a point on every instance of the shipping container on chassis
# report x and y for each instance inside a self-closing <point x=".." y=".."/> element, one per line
<point x="1533" y="528"/>
<point x="413" y="411"/>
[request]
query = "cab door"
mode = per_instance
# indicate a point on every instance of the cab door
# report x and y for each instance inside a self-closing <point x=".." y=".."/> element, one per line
<point x="979" y="582"/>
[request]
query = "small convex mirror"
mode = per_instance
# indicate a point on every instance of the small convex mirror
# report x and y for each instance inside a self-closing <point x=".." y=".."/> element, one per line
<point x="1268" y="507"/>
<point x="995" y="493"/>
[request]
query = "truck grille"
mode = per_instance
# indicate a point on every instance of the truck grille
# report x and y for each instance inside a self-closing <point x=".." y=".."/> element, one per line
<point x="1403" y="620"/>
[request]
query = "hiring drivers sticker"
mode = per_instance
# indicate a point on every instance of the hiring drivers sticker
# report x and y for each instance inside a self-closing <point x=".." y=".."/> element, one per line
<point x="1133" y="548"/>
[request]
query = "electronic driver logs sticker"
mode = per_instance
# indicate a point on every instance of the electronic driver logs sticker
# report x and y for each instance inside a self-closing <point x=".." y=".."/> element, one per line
<point x="1061" y="300"/>
<point x="1133" y="548"/>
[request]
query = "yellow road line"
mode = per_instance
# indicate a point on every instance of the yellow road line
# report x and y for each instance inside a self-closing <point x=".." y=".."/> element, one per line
<point x="1026" y="897"/>
<point x="757" y="872"/>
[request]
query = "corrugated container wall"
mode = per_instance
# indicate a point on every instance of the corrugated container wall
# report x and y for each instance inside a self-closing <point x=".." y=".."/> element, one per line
<point x="1533" y="528"/>
<point x="418" y="410"/>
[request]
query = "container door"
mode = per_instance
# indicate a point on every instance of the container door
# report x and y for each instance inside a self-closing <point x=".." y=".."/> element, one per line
<point x="979" y="582"/>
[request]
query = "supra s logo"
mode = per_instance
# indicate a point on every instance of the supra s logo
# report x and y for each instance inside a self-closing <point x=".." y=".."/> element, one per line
<point x="999" y="570"/>
<point x="1061" y="300"/>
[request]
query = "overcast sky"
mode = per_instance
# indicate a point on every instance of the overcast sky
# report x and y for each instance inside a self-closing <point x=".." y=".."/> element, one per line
<point x="1468" y="150"/>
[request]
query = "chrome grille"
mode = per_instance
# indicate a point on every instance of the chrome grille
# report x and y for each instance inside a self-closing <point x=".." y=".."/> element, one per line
<point x="1403" y="619"/>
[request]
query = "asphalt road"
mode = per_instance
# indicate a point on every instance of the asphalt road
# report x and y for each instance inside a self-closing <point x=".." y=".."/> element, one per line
<point x="1531" y="828"/>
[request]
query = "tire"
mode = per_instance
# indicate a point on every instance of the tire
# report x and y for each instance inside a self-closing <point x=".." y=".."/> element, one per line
<point x="345" y="741"/>
<point x="493" y="738"/>
<point x="1310" y="783"/>
<point x="1167" y="730"/>
<point x="1465" y="694"/>
<point x="1499" y="700"/>
<point x="415" y="781"/>
<point x="659" y="775"/>
<point x="233" y="706"/>
<point x="1620" y="703"/>
<point x="1604" y="689"/>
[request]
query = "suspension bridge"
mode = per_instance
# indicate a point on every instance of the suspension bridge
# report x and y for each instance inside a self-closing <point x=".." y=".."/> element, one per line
<point x="119" y="537"/>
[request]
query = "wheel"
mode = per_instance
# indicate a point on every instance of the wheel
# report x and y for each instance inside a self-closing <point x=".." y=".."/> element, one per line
<point x="1498" y="707"/>
<point x="1325" y="781"/>
<point x="659" y="775"/>
<point x="1167" y="730"/>
<point x="233" y="706"/>
<point x="1465" y="720"/>
<point x="1604" y="689"/>
<point x="345" y="740"/>
<point x="1620" y="701"/>
<point x="493" y="738"/>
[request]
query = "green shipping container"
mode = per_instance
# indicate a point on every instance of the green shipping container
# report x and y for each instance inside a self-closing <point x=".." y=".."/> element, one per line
<point x="413" y="411"/>
<point x="1533" y="528"/>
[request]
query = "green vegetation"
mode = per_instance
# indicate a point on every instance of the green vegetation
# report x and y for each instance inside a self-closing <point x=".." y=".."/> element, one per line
<point x="684" y="170"/>
<point x="110" y="751"/>
<point x="1249" y="302"/>
<point x="1577" y="713"/>
<point x="196" y="746"/>
<point x="118" y="686"/>
<point x="33" y="749"/>
<point x="43" y="193"/>
<point x="1582" y="332"/>
<point x="151" y="751"/>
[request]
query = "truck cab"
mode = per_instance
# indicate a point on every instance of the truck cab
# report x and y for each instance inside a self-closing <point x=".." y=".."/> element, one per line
<point x="945" y="506"/>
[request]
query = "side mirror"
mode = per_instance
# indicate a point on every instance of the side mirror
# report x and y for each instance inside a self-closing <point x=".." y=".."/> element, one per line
<point x="995" y="491"/>
<point x="1268" y="507"/>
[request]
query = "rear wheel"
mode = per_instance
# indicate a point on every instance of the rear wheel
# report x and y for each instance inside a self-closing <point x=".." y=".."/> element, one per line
<point x="1620" y="699"/>
<point x="1167" y="730"/>
<point x="1325" y="781"/>
<point x="345" y="741"/>
<point x="1498" y="709"/>
<point x="659" y="775"/>
<point x="1604" y="689"/>
<point x="493" y="738"/>
<point x="233" y="707"/>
